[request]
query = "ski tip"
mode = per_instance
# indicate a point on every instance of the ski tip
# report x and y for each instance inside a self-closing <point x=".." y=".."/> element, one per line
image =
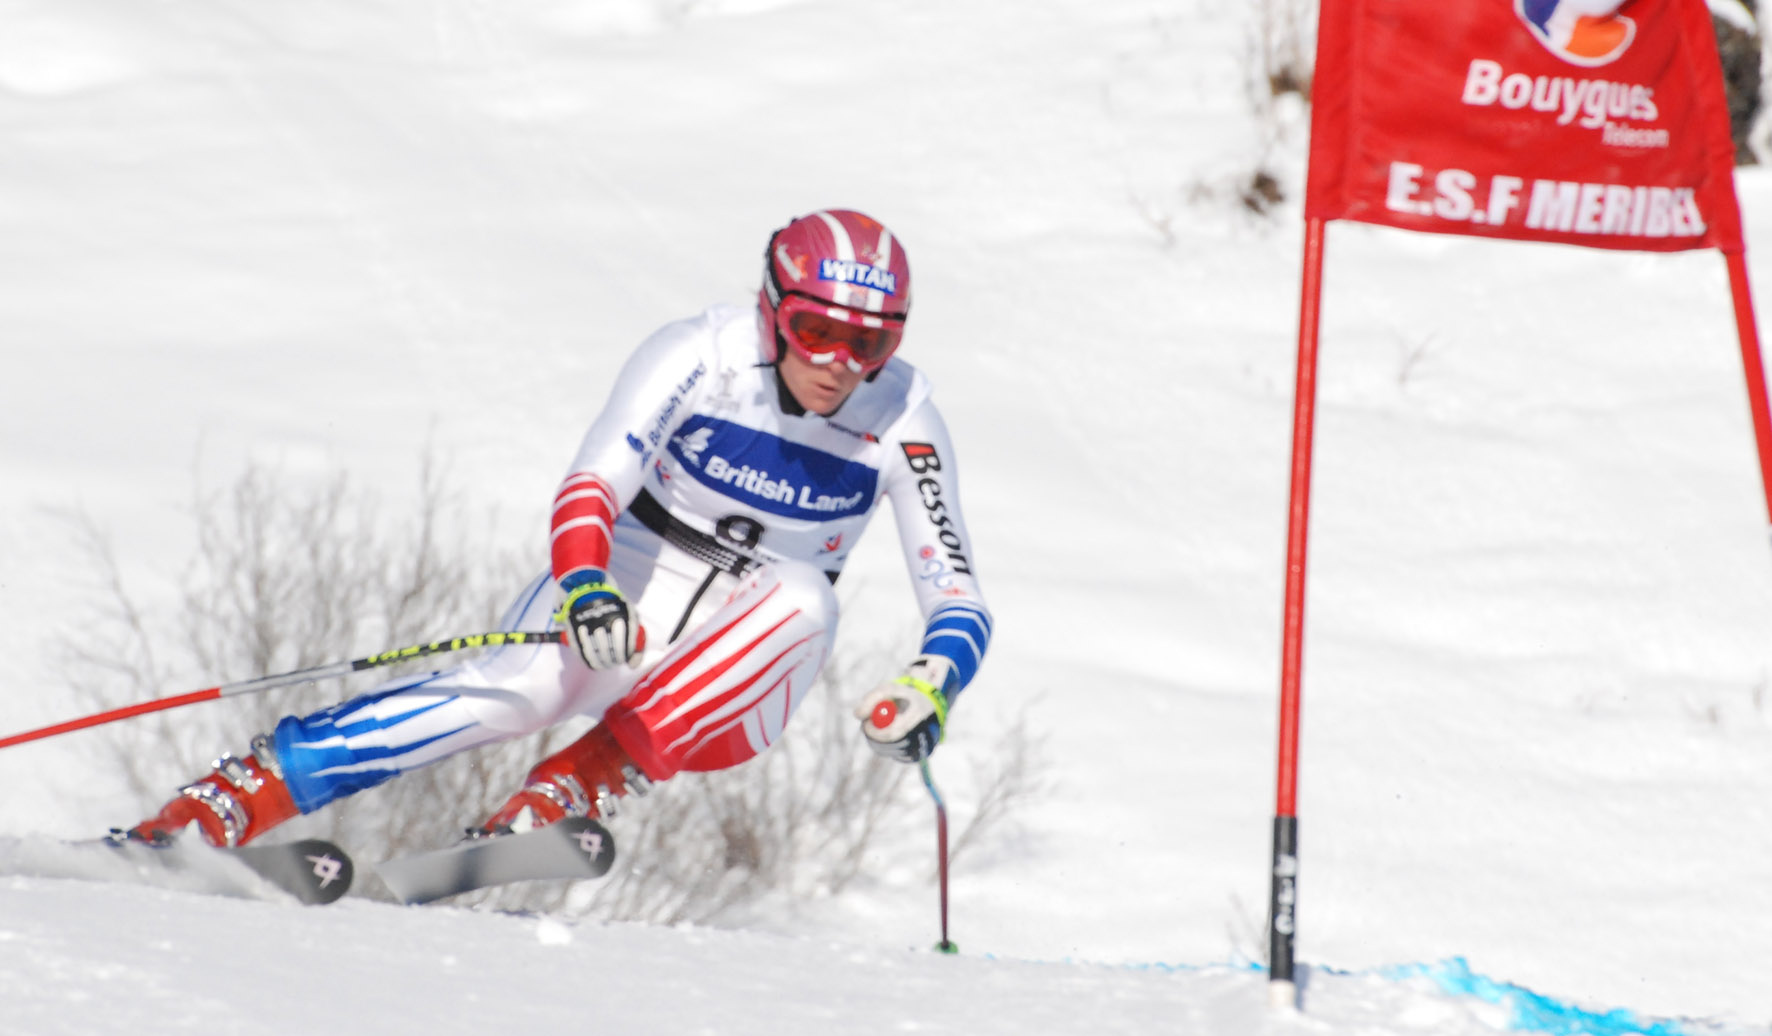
<point x="312" y="870"/>
<point x="591" y="839"/>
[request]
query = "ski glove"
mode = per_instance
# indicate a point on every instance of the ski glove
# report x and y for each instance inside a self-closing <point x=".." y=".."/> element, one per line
<point x="903" y="718"/>
<point x="604" y="629"/>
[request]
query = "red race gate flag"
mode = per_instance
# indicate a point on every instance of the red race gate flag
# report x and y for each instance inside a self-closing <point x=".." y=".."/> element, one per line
<point x="1587" y="122"/>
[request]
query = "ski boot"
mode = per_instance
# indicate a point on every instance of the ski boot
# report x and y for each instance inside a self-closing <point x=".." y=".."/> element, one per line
<point x="241" y="800"/>
<point x="584" y="779"/>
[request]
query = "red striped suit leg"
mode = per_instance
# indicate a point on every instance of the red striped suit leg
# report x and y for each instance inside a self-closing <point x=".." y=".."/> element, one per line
<point x="725" y="693"/>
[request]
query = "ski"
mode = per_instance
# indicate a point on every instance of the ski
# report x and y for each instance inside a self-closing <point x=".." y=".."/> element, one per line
<point x="576" y="847"/>
<point x="312" y="870"/>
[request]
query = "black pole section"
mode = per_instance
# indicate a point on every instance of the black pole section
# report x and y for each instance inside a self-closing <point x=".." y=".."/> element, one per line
<point x="1283" y="905"/>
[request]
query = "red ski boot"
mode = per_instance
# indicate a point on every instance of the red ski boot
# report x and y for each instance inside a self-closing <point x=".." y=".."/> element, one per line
<point x="241" y="800"/>
<point x="581" y="780"/>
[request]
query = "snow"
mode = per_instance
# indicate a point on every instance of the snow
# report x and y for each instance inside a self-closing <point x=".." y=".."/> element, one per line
<point x="1535" y="783"/>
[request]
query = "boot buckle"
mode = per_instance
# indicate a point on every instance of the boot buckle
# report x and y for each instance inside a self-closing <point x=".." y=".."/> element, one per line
<point x="638" y="783"/>
<point x="226" y="807"/>
<point x="238" y="774"/>
<point x="264" y="751"/>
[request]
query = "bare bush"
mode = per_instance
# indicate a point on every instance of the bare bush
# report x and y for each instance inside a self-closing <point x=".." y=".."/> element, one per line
<point x="1284" y="46"/>
<point x="1280" y="57"/>
<point x="286" y="579"/>
<point x="1013" y="777"/>
<point x="1741" y="50"/>
<point x="798" y="818"/>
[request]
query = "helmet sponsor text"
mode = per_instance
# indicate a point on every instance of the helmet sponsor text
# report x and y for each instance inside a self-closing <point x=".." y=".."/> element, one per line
<point x="848" y="271"/>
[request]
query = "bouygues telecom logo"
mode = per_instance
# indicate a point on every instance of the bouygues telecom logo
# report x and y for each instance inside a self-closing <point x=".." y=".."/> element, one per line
<point x="1589" y="33"/>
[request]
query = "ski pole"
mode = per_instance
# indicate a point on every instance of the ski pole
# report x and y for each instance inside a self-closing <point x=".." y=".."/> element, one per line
<point x="941" y="852"/>
<point x="265" y="683"/>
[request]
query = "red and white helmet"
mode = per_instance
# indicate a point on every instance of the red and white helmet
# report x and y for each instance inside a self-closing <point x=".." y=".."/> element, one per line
<point x="836" y="285"/>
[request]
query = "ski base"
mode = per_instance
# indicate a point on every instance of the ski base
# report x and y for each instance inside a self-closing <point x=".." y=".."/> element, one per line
<point x="576" y="847"/>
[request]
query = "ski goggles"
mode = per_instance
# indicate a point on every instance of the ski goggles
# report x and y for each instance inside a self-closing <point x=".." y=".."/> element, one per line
<point x="821" y="333"/>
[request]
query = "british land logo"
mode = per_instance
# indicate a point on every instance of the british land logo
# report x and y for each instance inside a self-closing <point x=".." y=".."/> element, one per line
<point x="690" y="446"/>
<point x="772" y="474"/>
<point x="1589" y="33"/>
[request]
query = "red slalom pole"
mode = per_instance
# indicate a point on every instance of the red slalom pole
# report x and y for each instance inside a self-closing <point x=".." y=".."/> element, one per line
<point x="1283" y="888"/>
<point x="265" y="683"/>
<point x="1753" y="367"/>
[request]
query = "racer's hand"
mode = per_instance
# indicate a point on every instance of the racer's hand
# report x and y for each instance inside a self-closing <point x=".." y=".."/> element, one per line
<point x="604" y="628"/>
<point x="903" y="718"/>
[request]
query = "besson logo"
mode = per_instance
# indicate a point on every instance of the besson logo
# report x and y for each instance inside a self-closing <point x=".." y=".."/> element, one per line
<point x="923" y="459"/>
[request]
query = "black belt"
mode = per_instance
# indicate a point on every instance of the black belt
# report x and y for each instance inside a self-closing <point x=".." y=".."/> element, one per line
<point x="692" y="541"/>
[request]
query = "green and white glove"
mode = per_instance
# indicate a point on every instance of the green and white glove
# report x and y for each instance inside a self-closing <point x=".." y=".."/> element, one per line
<point x="603" y="626"/>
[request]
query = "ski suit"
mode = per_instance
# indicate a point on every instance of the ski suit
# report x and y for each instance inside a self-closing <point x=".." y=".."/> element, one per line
<point x="724" y="513"/>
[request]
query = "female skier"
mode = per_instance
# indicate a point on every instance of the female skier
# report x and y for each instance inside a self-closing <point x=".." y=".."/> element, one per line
<point x="712" y="504"/>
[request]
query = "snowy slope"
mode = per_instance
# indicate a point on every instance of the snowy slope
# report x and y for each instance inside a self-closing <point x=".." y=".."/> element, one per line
<point x="330" y="236"/>
<point x="88" y="958"/>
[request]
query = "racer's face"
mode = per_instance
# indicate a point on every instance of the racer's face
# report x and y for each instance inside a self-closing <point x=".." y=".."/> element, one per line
<point x="820" y="388"/>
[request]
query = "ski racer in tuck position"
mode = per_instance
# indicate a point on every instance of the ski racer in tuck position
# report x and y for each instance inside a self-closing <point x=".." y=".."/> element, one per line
<point x="712" y="503"/>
